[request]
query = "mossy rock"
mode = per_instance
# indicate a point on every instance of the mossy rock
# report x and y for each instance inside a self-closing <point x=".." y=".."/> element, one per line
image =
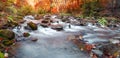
<point x="26" y="34"/>
<point x="8" y="34"/>
<point x="7" y="42"/>
<point x="32" y="25"/>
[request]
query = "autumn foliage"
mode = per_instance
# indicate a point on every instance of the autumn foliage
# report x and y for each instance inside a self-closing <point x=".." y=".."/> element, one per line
<point x="54" y="6"/>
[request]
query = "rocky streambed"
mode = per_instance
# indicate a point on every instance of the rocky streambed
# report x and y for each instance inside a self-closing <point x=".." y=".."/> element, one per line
<point x="53" y="38"/>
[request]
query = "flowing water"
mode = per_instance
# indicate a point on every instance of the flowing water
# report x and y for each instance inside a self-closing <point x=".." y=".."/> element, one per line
<point x="54" y="44"/>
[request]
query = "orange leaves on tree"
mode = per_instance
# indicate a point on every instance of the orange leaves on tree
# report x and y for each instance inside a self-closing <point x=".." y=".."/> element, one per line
<point x="54" y="10"/>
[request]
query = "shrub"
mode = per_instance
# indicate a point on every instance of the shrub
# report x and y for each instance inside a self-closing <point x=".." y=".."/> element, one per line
<point x="25" y="10"/>
<point x="102" y="21"/>
<point x="65" y="14"/>
<point x="5" y="4"/>
<point x="11" y="10"/>
<point x="41" y="11"/>
<point x="80" y="16"/>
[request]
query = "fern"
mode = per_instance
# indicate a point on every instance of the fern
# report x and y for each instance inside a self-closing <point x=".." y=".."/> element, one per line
<point x="102" y="21"/>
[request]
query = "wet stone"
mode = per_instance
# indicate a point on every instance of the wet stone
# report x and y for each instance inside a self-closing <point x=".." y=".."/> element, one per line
<point x="32" y="25"/>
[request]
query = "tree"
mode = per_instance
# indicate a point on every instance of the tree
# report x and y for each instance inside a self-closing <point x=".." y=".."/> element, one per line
<point x="91" y="8"/>
<point x="113" y="2"/>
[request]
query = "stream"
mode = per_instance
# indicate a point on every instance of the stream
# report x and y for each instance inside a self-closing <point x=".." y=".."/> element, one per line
<point x="54" y="44"/>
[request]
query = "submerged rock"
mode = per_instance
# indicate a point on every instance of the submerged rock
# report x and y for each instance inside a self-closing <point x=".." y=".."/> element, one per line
<point x="34" y="40"/>
<point x="32" y="25"/>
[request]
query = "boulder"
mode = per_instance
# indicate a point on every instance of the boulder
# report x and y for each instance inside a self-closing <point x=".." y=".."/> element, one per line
<point x="32" y="25"/>
<point x="7" y="34"/>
